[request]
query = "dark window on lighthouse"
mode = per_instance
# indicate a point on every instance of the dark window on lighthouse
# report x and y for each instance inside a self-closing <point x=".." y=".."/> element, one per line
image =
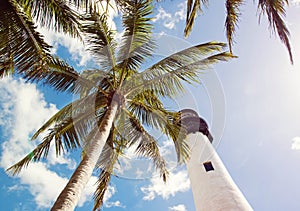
<point x="208" y="166"/>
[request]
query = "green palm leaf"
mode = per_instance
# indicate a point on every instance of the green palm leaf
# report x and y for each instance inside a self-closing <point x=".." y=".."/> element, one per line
<point x="146" y="144"/>
<point x="275" y="12"/>
<point x="54" y="14"/>
<point x="60" y="76"/>
<point x="165" y="77"/>
<point x="80" y="109"/>
<point x="170" y="84"/>
<point x="100" y="40"/>
<point x="102" y="185"/>
<point x="193" y="7"/>
<point x="232" y="18"/>
<point x="136" y="42"/>
<point x="22" y="47"/>
<point x="68" y="132"/>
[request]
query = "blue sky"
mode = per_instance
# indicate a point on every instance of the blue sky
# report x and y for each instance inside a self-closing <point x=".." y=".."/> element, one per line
<point x="252" y="104"/>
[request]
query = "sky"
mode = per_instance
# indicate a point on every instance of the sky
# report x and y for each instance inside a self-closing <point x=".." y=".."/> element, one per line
<point x="251" y="104"/>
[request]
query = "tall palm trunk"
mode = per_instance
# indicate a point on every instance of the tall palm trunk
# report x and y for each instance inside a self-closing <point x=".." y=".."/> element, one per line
<point x="69" y="197"/>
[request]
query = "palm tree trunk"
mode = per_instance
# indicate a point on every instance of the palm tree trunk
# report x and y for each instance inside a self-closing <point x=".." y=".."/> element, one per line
<point x="69" y="197"/>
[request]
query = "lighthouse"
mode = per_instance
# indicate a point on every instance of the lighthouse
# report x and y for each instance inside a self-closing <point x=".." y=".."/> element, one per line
<point x="212" y="186"/>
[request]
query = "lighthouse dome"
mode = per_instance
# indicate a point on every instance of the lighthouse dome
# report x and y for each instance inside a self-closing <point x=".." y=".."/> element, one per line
<point x="193" y="123"/>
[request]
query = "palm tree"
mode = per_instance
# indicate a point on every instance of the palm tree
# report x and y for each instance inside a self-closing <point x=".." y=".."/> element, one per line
<point x="23" y="49"/>
<point x="117" y="100"/>
<point x="273" y="9"/>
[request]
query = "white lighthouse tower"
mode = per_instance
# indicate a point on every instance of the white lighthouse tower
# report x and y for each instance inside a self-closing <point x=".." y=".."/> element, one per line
<point x="212" y="186"/>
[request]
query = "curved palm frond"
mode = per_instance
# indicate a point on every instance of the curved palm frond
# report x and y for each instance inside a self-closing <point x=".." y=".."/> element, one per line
<point x="78" y="110"/>
<point x="61" y="76"/>
<point x="136" y="42"/>
<point x="165" y="77"/>
<point x="148" y="148"/>
<point x="162" y="120"/>
<point x="146" y="144"/>
<point x="275" y="10"/>
<point x="153" y="117"/>
<point x="193" y="7"/>
<point x="54" y="14"/>
<point x="22" y="47"/>
<point x="172" y="62"/>
<point x="99" y="38"/>
<point x="63" y="113"/>
<point x="102" y="185"/>
<point x="69" y="132"/>
<point x="170" y="84"/>
<point x="232" y="18"/>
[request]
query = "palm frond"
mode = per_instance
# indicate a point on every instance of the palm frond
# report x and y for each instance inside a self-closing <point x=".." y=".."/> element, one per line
<point x="165" y="77"/>
<point x="102" y="185"/>
<point x="193" y="7"/>
<point x="68" y="132"/>
<point x="100" y="40"/>
<point x="136" y="43"/>
<point x="62" y="77"/>
<point x="232" y="18"/>
<point x="78" y="110"/>
<point x="22" y="47"/>
<point x="275" y="11"/>
<point x="54" y="14"/>
<point x="148" y="148"/>
<point x="174" y="61"/>
<point x="160" y="119"/>
<point x="153" y="117"/>
<point x="146" y="144"/>
<point x="63" y="113"/>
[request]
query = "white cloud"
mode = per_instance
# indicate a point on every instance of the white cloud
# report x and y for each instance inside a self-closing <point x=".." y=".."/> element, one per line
<point x="74" y="45"/>
<point x="15" y="188"/>
<point x="24" y="109"/>
<point x="111" y="190"/>
<point x="114" y="204"/>
<point x="177" y="182"/>
<point x="179" y="207"/>
<point x="43" y="184"/>
<point x="170" y="20"/>
<point x="181" y="12"/>
<point x="296" y="143"/>
<point x="166" y="148"/>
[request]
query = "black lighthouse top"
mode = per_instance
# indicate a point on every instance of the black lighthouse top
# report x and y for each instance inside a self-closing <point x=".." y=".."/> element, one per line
<point x="193" y="123"/>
